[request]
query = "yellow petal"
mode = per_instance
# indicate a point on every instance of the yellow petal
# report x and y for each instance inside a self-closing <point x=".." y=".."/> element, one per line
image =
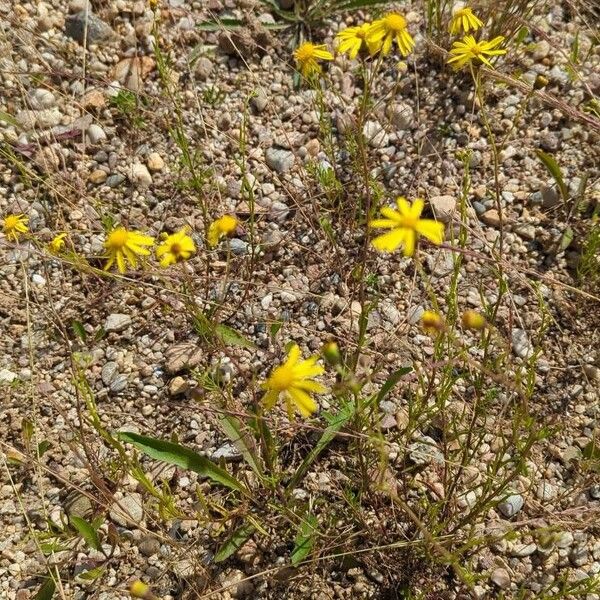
<point x="403" y="206"/>
<point x="432" y="230"/>
<point x="417" y="208"/>
<point x="305" y="404"/>
<point x="270" y="398"/>
<point x="388" y="242"/>
<point x="410" y="238"/>
<point x="308" y="385"/>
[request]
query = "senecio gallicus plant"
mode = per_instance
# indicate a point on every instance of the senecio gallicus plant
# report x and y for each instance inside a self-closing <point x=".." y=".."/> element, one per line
<point x="14" y="225"/>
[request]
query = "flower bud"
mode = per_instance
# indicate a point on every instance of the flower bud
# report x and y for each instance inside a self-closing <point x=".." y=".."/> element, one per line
<point x="432" y="322"/>
<point x="331" y="353"/>
<point x="473" y="320"/>
<point x="540" y="82"/>
<point x="138" y="589"/>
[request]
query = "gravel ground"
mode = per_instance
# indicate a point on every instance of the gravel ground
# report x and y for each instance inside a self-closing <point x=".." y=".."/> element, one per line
<point x="87" y="160"/>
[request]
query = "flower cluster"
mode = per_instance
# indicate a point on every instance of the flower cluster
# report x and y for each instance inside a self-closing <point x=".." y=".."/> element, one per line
<point x="469" y="50"/>
<point x="126" y="248"/>
<point x="367" y="39"/>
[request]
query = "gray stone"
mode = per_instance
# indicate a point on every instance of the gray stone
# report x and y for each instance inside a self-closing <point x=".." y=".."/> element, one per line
<point x="95" y="133"/>
<point x="238" y="247"/>
<point x="149" y="546"/>
<point x="127" y="510"/>
<point x="109" y="371"/>
<point x="85" y="27"/>
<point x="579" y="556"/>
<point x="228" y="452"/>
<point x="550" y="142"/>
<point x="259" y="101"/>
<point x="550" y="196"/>
<point x="237" y="584"/>
<point x="443" y="207"/>
<point x="501" y="578"/>
<point x="564" y="539"/>
<point x="546" y="491"/>
<point x="185" y="355"/>
<point x="595" y="492"/>
<point x="44" y="119"/>
<point x="425" y="451"/>
<point x="511" y="505"/>
<point x="541" y="50"/>
<point x="279" y="160"/>
<point x="7" y="376"/>
<point x="280" y="211"/>
<point x="375" y="134"/>
<point x="520" y="343"/>
<point x="118" y="384"/>
<point x="140" y="176"/>
<point x="115" y="180"/>
<point x="203" y="68"/>
<point x="523" y="550"/>
<point x="117" y="322"/>
<point x="400" y="114"/>
<point x="79" y="506"/>
<point x="41" y="98"/>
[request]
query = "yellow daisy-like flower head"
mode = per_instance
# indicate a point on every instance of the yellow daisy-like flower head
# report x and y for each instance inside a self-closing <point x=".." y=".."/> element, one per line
<point x="353" y="40"/>
<point x="57" y="243"/>
<point x="293" y="382"/>
<point x="306" y="56"/>
<point x="432" y="322"/>
<point x="175" y="248"/>
<point x="469" y="49"/>
<point x="221" y="227"/>
<point x="123" y="246"/>
<point x="391" y="27"/>
<point x="406" y="225"/>
<point x="15" y="225"/>
<point x="464" y="20"/>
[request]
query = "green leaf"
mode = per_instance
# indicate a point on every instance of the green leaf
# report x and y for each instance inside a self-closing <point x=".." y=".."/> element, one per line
<point x="46" y="592"/>
<point x="233" y="430"/>
<point x="174" y="454"/>
<point x="78" y="330"/>
<point x="391" y="381"/>
<point x="336" y="422"/>
<point x="521" y="35"/>
<point x="305" y="540"/>
<point x="86" y="531"/>
<point x="554" y="170"/>
<point x="356" y="4"/>
<point x="43" y="447"/>
<point x="230" y="337"/>
<point x="234" y="542"/>
<point x="592" y="451"/>
<point x="4" y="116"/>
<point x="565" y="239"/>
<point x="92" y="574"/>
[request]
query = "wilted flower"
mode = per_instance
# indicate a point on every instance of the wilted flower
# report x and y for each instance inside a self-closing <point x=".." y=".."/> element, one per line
<point x="219" y="228"/>
<point x="175" y="248"/>
<point x="293" y="381"/>
<point x="353" y="40"/>
<point x="14" y="225"/>
<point x="465" y="51"/>
<point x="432" y="322"/>
<point x="306" y="56"/>
<point x="464" y="19"/>
<point x="471" y="319"/>
<point x="57" y="243"/>
<point x="391" y="27"/>
<point x="331" y="353"/>
<point x="123" y="246"/>
<point x="406" y="225"/>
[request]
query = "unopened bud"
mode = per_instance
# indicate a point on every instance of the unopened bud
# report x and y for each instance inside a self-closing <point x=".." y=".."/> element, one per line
<point x="331" y="353"/>
<point x="432" y="322"/>
<point x="138" y="589"/>
<point x="473" y="320"/>
<point x="540" y="82"/>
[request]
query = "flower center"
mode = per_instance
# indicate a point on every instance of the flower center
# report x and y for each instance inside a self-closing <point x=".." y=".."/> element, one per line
<point x="176" y="248"/>
<point x="396" y="23"/>
<point x="281" y="378"/>
<point x="305" y="52"/>
<point x="462" y="12"/>
<point x="408" y="222"/>
<point x="11" y="222"/>
<point x="118" y="238"/>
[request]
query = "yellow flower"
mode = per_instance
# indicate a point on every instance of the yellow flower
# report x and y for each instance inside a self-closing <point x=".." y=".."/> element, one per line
<point x="306" y="56"/>
<point x="464" y="19"/>
<point x="391" y="27"/>
<point x="467" y="50"/>
<point x="353" y="40"/>
<point x="175" y="248"/>
<point x="432" y="322"/>
<point x="473" y="320"/>
<point x="138" y="589"/>
<point x="406" y="225"/>
<point x="293" y="381"/>
<point x="14" y="225"/>
<point x="123" y="246"/>
<point x="219" y="228"/>
<point x="57" y="243"/>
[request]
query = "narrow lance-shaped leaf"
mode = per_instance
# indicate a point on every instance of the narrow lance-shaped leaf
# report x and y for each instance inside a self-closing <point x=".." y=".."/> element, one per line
<point x="46" y="592"/>
<point x="86" y="531"/>
<point x="180" y="456"/>
<point x="233" y="430"/>
<point x="554" y="170"/>
<point x="234" y="542"/>
<point x="305" y="540"/>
